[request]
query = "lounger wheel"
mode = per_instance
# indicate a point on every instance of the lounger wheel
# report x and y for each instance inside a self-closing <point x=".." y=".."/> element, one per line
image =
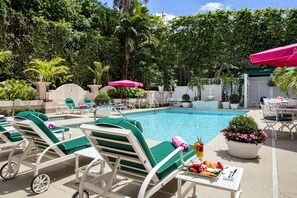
<point x="40" y="183"/>
<point x="85" y="194"/>
<point x="8" y="173"/>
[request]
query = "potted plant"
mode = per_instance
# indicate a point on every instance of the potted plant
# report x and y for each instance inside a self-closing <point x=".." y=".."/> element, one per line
<point x="234" y="100"/>
<point x="186" y="101"/>
<point x="243" y="137"/>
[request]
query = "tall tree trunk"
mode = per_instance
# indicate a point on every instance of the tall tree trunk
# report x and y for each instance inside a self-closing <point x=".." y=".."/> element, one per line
<point x="126" y="63"/>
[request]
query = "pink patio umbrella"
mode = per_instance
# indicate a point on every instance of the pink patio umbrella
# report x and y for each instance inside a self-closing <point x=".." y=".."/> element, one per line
<point x="279" y="57"/>
<point x="125" y="83"/>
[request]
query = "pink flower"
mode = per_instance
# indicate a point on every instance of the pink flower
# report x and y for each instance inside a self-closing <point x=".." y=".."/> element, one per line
<point x="252" y="136"/>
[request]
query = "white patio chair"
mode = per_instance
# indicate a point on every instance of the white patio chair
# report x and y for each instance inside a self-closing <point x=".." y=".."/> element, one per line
<point x="43" y="150"/>
<point x="122" y="145"/>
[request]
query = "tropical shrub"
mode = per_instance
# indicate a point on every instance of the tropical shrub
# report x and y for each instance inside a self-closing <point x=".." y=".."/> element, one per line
<point x="126" y="93"/>
<point x="244" y="129"/>
<point x="186" y="98"/>
<point x="234" y="98"/>
<point x="16" y="89"/>
<point x="102" y="98"/>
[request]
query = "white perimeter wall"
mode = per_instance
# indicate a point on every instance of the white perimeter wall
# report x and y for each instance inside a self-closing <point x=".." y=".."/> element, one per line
<point x="216" y="90"/>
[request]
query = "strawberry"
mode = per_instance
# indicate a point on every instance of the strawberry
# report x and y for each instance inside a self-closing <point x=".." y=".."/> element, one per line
<point x="220" y="165"/>
<point x="201" y="148"/>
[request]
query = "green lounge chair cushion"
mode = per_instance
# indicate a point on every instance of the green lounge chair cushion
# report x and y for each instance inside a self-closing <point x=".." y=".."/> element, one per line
<point x="75" y="145"/>
<point x="88" y="102"/>
<point x="14" y="136"/>
<point x="70" y="104"/>
<point x="3" y="120"/>
<point x="38" y="114"/>
<point x="280" y="118"/>
<point x="124" y="123"/>
<point x="67" y="147"/>
<point x="162" y="150"/>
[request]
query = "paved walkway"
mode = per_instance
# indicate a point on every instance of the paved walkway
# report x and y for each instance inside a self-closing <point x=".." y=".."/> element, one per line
<point x="273" y="174"/>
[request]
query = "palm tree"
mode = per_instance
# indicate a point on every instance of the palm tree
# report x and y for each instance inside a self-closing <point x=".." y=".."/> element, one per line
<point x="124" y="5"/>
<point x="99" y="70"/>
<point x="132" y="27"/>
<point x="48" y="69"/>
<point x="4" y="55"/>
<point x="286" y="80"/>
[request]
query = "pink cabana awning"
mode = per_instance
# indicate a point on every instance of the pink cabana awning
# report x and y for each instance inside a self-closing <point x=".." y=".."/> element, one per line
<point x="280" y="57"/>
<point x="125" y="83"/>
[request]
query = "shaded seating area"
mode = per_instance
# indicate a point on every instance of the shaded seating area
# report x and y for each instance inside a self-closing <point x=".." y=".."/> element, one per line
<point x="72" y="107"/>
<point x="121" y="144"/>
<point x="43" y="150"/>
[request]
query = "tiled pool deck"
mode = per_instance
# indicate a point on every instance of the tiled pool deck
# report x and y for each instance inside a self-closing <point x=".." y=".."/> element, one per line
<point x="263" y="177"/>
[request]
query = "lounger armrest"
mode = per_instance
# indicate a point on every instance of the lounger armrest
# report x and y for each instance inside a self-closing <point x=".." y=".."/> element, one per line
<point x="52" y="146"/>
<point x="156" y="168"/>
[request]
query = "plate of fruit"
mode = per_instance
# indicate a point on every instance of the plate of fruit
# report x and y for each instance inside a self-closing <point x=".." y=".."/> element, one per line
<point x="206" y="169"/>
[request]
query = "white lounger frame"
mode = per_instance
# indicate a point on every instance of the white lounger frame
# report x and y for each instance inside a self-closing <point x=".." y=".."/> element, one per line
<point x="109" y="177"/>
<point x="52" y="154"/>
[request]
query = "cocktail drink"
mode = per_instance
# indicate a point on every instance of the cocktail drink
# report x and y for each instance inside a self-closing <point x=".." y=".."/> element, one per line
<point x="198" y="148"/>
<point x="200" y="152"/>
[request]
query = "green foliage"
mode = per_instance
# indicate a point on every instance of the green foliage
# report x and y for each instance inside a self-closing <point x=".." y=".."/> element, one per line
<point x="234" y="98"/>
<point x="286" y="80"/>
<point x="186" y="97"/>
<point x="127" y="92"/>
<point x="4" y="55"/>
<point x="102" y="98"/>
<point x="48" y="70"/>
<point x="135" y="44"/>
<point x="242" y="124"/>
<point x="244" y="129"/>
<point x="16" y="89"/>
<point x="98" y="71"/>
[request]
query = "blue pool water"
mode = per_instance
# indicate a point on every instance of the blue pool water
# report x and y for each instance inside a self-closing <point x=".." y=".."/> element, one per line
<point x="188" y="124"/>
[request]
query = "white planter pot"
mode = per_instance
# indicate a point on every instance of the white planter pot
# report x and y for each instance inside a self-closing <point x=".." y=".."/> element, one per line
<point x="226" y="105"/>
<point x="234" y="106"/>
<point x="243" y="150"/>
<point x="186" y="104"/>
<point x="160" y="88"/>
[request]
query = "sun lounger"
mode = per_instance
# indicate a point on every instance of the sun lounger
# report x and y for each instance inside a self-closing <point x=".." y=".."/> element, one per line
<point x="72" y="106"/>
<point x="88" y="102"/>
<point x="121" y="144"/>
<point x="44" y="149"/>
<point x="9" y="137"/>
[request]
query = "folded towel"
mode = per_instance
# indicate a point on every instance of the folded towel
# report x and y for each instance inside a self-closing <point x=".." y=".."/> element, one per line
<point x="51" y="125"/>
<point x="178" y="141"/>
<point x="83" y="106"/>
<point x="2" y="117"/>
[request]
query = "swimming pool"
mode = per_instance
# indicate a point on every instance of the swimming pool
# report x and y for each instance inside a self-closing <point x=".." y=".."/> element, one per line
<point x="189" y="124"/>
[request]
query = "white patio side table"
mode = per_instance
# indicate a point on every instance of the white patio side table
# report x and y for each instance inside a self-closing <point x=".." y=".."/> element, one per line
<point x="232" y="185"/>
<point x="90" y="153"/>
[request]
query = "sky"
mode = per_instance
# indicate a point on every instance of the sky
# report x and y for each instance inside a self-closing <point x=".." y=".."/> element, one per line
<point x="173" y="8"/>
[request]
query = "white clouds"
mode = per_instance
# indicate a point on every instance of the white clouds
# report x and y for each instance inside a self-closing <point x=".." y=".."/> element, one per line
<point x="213" y="6"/>
<point x="165" y="16"/>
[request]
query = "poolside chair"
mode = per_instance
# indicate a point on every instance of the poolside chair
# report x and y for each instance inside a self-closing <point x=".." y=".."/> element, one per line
<point x="60" y="132"/>
<point x="132" y="103"/>
<point x="272" y="118"/>
<point x="88" y="102"/>
<point x="72" y="106"/>
<point x="121" y="144"/>
<point x="118" y="104"/>
<point x="44" y="150"/>
<point x="9" y="137"/>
